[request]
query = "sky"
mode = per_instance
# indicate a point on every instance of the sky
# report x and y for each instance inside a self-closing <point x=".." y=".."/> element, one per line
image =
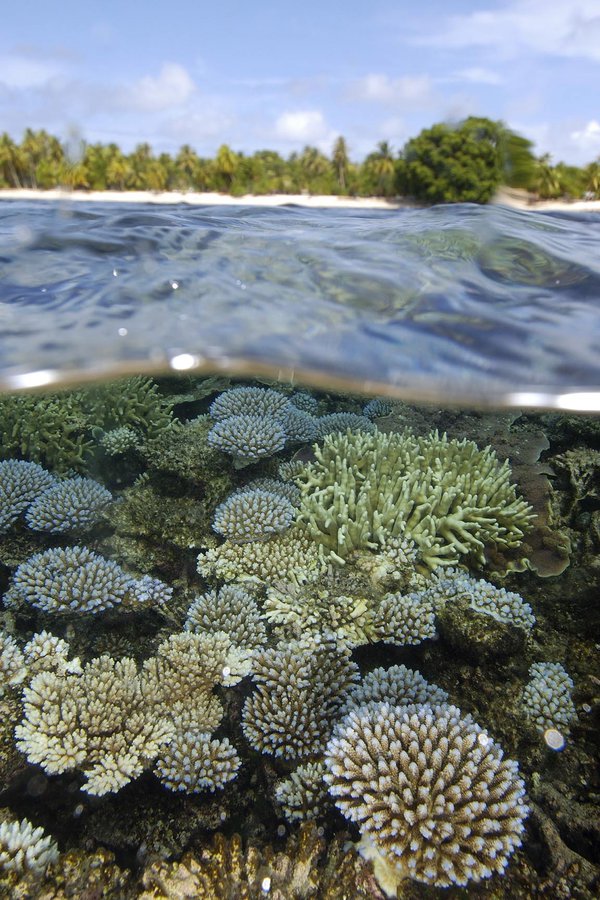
<point x="277" y="74"/>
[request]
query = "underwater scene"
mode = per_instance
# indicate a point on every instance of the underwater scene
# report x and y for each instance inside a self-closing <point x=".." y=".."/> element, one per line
<point x="299" y="599"/>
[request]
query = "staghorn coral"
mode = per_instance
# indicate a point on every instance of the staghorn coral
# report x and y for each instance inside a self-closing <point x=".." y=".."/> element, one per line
<point x="396" y="686"/>
<point x="291" y="557"/>
<point x="302" y="685"/>
<point x="303" y="795"/>
<point x="20" y="483"/>
<point x="75" y="504"/>
<point x="547" y="697"/>
<point x="193" y="762"/>
<point x="77" y="580"/>
<point x="44" y="652"/>
<point x="130" y="402"/>
<point x="430" y="791"/>
<point x="447" y="496"/>
<point x="95" y="721"/>
<point x="231" y="610"/>
<point x="253" y="515"/>
<point x="49" y="429"/>
<point x="24" y="848"/>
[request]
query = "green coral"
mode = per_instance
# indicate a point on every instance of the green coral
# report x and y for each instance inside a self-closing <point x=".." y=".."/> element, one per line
<point x="452" y="499"/>
<point x="48" y="429"/>
<point x="59" y="430"/>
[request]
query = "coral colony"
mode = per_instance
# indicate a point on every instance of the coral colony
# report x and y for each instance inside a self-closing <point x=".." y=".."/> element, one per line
<point x="317" y="534"/>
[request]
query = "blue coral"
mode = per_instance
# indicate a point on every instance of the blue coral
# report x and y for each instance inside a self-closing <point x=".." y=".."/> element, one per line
<point x="342" y="421"/>
<point x="253" y="515"/>
<point x="249" y="401"/>
<point x="77" y="580"/>
<point x="248" y="436"/>
<point x="20" y="483"/>
<point x="69" y="505"/>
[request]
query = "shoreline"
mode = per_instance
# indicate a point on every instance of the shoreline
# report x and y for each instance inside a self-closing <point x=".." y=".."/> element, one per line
<point x="505" y="197"/>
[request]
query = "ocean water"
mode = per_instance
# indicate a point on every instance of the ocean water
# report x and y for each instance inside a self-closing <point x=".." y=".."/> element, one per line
<point x="299" y="542"/>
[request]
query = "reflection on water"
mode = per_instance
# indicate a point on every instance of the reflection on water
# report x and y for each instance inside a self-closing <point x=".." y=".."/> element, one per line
<point x="264" y="639"/>
<point x="460" y="304"/>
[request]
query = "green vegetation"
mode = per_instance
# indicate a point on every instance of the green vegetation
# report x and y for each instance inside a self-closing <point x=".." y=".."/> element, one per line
<point x="446" y="163"/>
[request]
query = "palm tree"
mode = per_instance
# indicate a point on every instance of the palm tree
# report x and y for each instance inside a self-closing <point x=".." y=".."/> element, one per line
<point x="10" y="162"/>
<point x="186" y="168"/>
<point x="226" y="164"/>
<point x="340" y="163"/>
<point x="546" y="181"/>
<point x="381" y="169"/>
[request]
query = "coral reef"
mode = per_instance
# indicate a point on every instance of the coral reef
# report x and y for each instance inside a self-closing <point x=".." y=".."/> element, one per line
<point x="332" y="423"/>
<point x="305" y="867"/>
<point x="77" y="580"/>
<point x="303" y="795"/>
<point x="253" y="515"/>
<point x="431" y="792"/>
<point x="248" y="437"/>
<point x="548" y="697"/>
<point x="302" y="686"/>
<point x="447" y="496"/>
<point x="231" y="610"/>
<point x="291" y="557"/>
<point x="74" y="504"/>
<point x="24" y="848"/>
<point x="20" y="483"/>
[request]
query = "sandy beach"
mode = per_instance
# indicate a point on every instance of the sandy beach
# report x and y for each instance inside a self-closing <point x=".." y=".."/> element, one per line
<point x="506" y="197"/>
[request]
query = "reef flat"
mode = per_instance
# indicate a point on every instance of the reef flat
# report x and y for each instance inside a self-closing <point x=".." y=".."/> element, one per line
<point x="258" y="641"/>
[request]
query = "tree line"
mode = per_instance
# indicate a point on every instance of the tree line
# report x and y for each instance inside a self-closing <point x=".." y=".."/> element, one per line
<point x="444" y="163"/>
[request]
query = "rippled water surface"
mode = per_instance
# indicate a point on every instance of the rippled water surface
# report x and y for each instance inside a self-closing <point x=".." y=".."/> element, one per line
<point x="457" y="302"/>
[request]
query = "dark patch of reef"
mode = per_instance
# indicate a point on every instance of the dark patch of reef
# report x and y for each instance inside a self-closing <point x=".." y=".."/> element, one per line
<point x="254" y="585"/>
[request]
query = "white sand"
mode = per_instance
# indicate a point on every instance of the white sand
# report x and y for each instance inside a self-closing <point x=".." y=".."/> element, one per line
<point x="193" y="199"/>
<point x="505" y="196"/>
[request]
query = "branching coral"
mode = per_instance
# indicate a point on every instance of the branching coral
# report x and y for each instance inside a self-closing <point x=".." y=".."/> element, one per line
<point x="547" y="698"/>
<point x="24" y="848"/>
<point x="77" y="580"/>
<point x="20" y="483"/>
<point x="248" y="437"/>
<point x="333" y="423"/>
<point x="253" y="515"/>
<point x="303" y="795"/>
<point x="292" y="557"/>
<point x="301" y="688"/>
<point x="447" y="496"/>
<point x="397" y="686"/>
<point x="231" y="610"/>
<point x="75" y="504"/>
<point x="192" y="762"/>
<point x="431" y="792"/>
<point x="95" y="721"/>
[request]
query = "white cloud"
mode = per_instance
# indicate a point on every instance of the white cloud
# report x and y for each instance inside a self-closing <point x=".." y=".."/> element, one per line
<point x="304" y="125"/>
<point x="172" y="87"/>
<point x="560" y="28"/>
<point x="404" y="91"/>
<point x="588" y="137"/>
<point x="21" y="71"/>
<point x="479" y="75"/>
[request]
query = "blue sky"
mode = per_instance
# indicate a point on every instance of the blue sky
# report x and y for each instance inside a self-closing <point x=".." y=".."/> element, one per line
<point x="282" y="74"/>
